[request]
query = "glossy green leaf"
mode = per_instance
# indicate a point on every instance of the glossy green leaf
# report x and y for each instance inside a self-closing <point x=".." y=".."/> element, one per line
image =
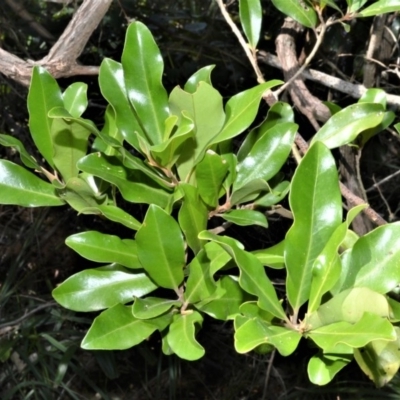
<point x="26" y="158"/>
<point x="20" y="187"/>
<point x="227" y="305"/>
<point x="112" y="86"/>
<point x="181" y="337"/>
<point x="192" y="217"/>
<point x="369" y="328"/>
<point x="299" y="10"/>
<point x="70" y="141"/>
<point x="134" y="185"/>
<point x="161" y="248"/>
<point x="152" y="307"/>
<point x="252" y="275"/>
<point x="276" y="194"/>
<point x="250" y="12"/>
<point x="143" y="68"/>
<point x="217" y="255"/>
<point x="380" y="7"/>
<point x="316" y="203"/>
<point x="75" y="99"/>
<point x="355" y="5"/>
<point x="343" y="127"/>
<point x="109" y="129"/>
<point x="117" y="329"/>
<point x="210" y="173"/>
<point x="200" y="285"/>
<point x="249" y="191"/>
<point x="167" y="153"/>
<point x="388" y="118"/>
<point x="272" y="256"/>
<point x="267" y="156"/>
<point x="322" y="368"/>
<point x="278" y="113"/>
<point x="374" y="261"/>
<point x="44" y="94"/>
<point x="202" y="75"/>
<point x="349" y="306"/>
<point x="327" y="266"/>
<point x="80" y="196"/>
<point x="245" y="217"/>
<point x="250" y="310"/>
<point x="241" y="110"/>
<point x="255" y="332"/>
<point x="100" y="247"/>
<point x="103" y="287"/>
<point x="204" y="107"/>
<point x="115" y="214"/>
<point x="374" y="95"/>
<point x="380" y="360"/>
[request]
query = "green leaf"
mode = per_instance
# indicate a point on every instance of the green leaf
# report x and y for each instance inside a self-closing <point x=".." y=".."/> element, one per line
<point x="245" y="217"/>
<point x="167" y="153"/>
<point x="75" y="99"/>
<point x="267" y="156"/>
<point x="44" y="94"/>
<point x="343" y="127"/>
<point x="109" y="129"/>
<point x="249" y="191"/>
<point x="202" y="75"/>
<point x="272" y="256"/>
<point x="355" y="5"/>
<point x="299" y="10"/>
<point x="210" y="173"/>
<point x="241" y="110"/>
<point x="369" y="328"/>
<point x="250" y="12"/>
<point x="380" y="360"/>
<point x="100" y="247"/>
<point x="80" y="196"/>
<point x="200" y="285"/>
<point x="327" y="266"/>
<point x="349" y="306"/>
<point x="316" y="203"/>
<point x="70" y="141"/>
<point x="134" y="185"/>
<point x="161" y="248"/>
<point x="374" y="95"/>
<point x="117" y="329"/>
<point x="152" y="307"/>
<point x="26" y="158"/>
<point x="218" y="257"/>
<point x="143" y="69"/>
<point x="255" y="332"/>
<point x="380" y="7"/>
<point x="226" y="306"/>
<point x="204" y="107"/>
<point x="322" y="368"/>
<point x="181" y="336"/>
<point x="278" y="113"/>
<point x="276" y="194"/>
<point x="115" y="214"/>
<point x="252" y="275"/>
<point x="22" y="188"/>
<point x="103" y="287"/>
<point x="192" y="217"/>
<point x="112" y="86"/>
<point x="374" y="261"/>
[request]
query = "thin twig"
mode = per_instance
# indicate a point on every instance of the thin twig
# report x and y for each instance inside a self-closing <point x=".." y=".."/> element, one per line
<point x="242" y="41"/>
<point x="382" y="181"/>
<point x="268" y="374"/>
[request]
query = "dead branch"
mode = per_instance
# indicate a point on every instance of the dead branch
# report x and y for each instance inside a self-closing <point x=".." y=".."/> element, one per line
<point x="62" y="58"/>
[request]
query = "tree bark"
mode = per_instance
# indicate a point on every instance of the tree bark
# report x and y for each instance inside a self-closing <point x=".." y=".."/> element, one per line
<point x="62" y="58"/>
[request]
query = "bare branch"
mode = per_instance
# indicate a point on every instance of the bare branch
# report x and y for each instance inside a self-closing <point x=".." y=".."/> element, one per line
<point x="62" y="58"/>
